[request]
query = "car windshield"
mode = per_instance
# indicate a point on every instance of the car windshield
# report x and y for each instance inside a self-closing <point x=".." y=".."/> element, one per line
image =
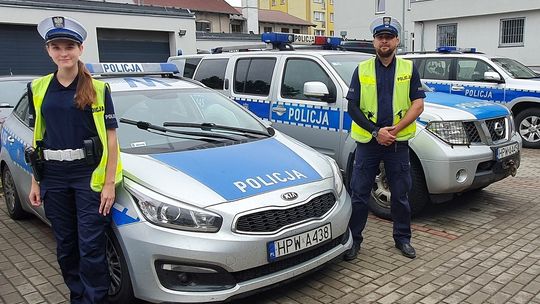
<point x="12" y="90"/>
<point x="515" y="68"/>
<point x="344" y="64"/>
<point x="196" y="118"/>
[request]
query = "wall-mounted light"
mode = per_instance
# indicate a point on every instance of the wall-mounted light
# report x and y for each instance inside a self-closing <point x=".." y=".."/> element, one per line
<point x="181" y="33"/>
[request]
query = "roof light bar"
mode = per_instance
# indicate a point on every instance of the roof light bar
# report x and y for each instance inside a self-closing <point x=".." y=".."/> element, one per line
<point x="131" y="68"/>
<point x="449" y="49"/>
<point x="278" y="39"/>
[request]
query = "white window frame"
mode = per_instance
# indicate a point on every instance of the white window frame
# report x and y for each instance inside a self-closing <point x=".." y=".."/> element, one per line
<point x="317" y="1"/>
<point x="518" y="33"/>
<point x="319" y="32"/>
<point x="446" y="25"/>
<point x="332" y="17"/>
<point x="380" y="6"/>
<point x="320" y="14"/>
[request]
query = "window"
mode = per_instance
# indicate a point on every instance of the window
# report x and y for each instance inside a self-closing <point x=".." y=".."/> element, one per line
<point x="21" y="110"/>
<point x="331" y="17"/>
<point x="296" y="31"/>
<point x="212" y="73"/>
<point x="511" y="32"/>
<point x="202" y="26"/>
<point x="472" y="69"/>
<point x="317" y="1"/>
<point x="332" y="33"/>
<point x="435" y="68"/>
<point x="331" y="1"/>
<point x="236" y="28"/>
<point x="299" y="71"/>
<point x="190" y="66"/>
<point x="282" y="2"/>
<point x="446" y="35"/>
<point x="274" y="3"/>
<point x="284" y="29"/>
<point x="254" y="76"/>
<point x="319" y="32"/>
<point x="267" y="29"/>
<point x="318" y="16"/>
<point x="380" y="7"/>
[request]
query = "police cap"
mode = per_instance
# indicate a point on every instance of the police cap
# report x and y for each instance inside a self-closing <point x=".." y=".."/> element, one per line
<point x="385" y="25"/>
<point x="59" y="27"/>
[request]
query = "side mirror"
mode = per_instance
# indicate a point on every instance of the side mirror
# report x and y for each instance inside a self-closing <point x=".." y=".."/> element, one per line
<point x="315" y="89"/>
<point x="493" y="77"/>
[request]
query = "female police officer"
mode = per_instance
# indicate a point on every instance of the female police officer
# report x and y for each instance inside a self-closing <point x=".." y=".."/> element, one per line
<point x="70" y="112"/>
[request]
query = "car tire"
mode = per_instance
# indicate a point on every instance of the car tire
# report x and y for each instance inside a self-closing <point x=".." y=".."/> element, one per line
<point x="120" y="290"/>
<point x="11" y="196"/>
<point x="380" y="203"/>
<point x="528" y="126"/>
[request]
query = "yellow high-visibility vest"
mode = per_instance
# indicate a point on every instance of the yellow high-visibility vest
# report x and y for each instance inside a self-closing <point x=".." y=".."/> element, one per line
<point x="368" y="98"/>
<point x="39" y="88"/>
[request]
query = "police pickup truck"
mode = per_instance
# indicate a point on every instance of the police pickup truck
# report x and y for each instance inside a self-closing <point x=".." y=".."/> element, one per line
<point x="462" y="143"/>
<point x="466" y="72"/>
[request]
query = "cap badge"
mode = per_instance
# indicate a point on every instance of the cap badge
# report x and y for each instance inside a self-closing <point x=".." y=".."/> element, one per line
<point x="58" y="22"/>
<point x="386" y="21"/>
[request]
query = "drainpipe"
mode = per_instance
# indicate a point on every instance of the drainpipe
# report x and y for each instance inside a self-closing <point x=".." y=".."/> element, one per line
<point x="422" y="49"/>
<point x="405" y="48"/>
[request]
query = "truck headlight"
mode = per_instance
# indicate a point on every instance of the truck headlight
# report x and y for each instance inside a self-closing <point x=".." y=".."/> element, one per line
<point x="173" y="214"/>
<point x="338" y="178"/>
<point x="511" y="125"/>
<point x="451" y="132"/>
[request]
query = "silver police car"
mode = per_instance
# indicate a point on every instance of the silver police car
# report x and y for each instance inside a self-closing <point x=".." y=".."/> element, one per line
<point x="214" y="203"/>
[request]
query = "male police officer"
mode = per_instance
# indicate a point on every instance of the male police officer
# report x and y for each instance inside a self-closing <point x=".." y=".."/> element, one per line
<point x="385" y="98"/>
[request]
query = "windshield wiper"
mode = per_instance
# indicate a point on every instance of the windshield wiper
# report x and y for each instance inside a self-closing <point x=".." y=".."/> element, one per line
<point x="209" y="126"/>
<point x="145" y="125"/>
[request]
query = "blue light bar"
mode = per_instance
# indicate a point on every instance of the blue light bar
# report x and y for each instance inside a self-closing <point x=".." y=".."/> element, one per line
<point x="131" y="68"/>
<point x="285" y="38"/>
<point x="448" y="49"/>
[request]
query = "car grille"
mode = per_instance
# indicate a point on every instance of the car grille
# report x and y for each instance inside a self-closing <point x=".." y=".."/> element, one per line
<point x="279" y="265"/>
<point x="275" y="219"/>
<point x="497" y="128"/>
<point x="472" y="132"/>
<point x="476" y="130"/>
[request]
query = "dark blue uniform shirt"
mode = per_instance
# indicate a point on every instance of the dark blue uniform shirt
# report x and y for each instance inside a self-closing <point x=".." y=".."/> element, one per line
<point x="67" y="126"/>
<point x="385" y="91"/>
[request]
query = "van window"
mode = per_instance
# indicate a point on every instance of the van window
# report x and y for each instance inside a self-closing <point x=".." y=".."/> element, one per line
<point x="190" y="66"/>
<point x="299" y="71"/>
<point x="211" y="72"/>
<point x="254" y="76"/>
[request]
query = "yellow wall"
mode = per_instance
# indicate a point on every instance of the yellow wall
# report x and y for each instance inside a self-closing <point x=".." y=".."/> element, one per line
<point x="304" y="9"/>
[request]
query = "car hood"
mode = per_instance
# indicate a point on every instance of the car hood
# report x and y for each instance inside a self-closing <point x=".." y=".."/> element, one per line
<point x="229" y="173"/>
<point x="444" y="106"/>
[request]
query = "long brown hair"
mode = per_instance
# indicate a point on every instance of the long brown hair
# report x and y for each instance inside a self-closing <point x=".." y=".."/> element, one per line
<point x="85" y="94"/>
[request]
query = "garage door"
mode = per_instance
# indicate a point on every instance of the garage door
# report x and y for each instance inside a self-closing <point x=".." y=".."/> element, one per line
<point x="23" y="51"/>
<point x="133" y="46"/>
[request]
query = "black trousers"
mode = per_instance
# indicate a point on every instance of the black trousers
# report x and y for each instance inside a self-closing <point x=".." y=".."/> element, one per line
<point x="397" y="166"/>
<point x="72" y="208"/>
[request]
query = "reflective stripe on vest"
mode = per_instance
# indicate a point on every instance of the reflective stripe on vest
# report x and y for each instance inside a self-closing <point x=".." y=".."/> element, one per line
<point x="368" y="98"/>
<point x="39" y="88"/>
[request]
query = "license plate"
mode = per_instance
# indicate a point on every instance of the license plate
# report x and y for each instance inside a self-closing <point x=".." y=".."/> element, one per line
<point x="299" y="242"/>
<point x="505" y="151"/>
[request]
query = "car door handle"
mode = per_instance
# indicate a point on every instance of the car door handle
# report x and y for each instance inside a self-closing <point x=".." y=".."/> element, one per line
<point x="11" y="139"/>
<point x="458" y="88"/>
<point x="280" y="110"/>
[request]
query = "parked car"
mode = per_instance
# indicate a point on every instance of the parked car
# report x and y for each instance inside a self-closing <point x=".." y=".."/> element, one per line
<point x="461" y="144"/>
<point x="12" y="88"/>
<point x="214" y="204"/>
<point x="506" y="81"/>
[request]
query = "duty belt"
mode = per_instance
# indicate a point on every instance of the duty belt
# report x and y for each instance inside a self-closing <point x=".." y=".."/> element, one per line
<point x="63" y="155"/>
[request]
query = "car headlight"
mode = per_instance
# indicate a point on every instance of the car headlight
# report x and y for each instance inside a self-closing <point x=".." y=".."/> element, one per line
<point x="451" y="132"/>
<point x="338" y="178"/>
<point x="512" y="126"/>
<point x="174" y="214"/>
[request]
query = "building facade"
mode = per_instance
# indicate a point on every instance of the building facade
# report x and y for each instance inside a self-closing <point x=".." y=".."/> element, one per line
<point x="498" y="27"/>
<point x="317" y="12"/>
<point x="117" y="32"/>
